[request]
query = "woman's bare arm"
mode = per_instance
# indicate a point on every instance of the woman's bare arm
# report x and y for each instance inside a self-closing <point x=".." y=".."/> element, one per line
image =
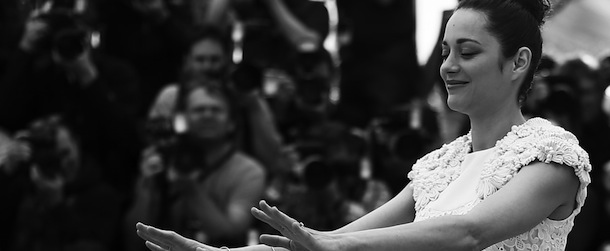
<point x="537" y="192"/>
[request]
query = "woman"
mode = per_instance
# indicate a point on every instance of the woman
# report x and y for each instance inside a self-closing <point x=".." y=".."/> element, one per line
<point x="509" y="184"/>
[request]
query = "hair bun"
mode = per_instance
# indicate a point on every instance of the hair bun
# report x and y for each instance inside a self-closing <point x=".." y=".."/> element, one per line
<point x="538" y="8"/>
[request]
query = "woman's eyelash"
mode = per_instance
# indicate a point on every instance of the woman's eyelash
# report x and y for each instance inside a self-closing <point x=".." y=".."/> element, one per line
<point x="469" y="54"/>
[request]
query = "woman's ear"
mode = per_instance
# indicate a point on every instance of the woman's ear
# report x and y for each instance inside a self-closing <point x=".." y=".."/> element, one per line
<point x="521" y="62"/>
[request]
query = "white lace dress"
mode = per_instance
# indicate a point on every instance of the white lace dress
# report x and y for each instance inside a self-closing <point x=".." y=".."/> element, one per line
<point x="443" y="179"/>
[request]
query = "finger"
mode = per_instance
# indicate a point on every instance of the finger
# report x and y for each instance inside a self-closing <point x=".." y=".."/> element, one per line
<point x="267" y="211"/>
<point x="275" y="241"/>
<point x="154" y="247"/>
<point x="274" y="216"/>
<point x="144" y="232"/>
<point x="153" y="235"/>
<point x="148" y="238"/>
<point x="275" y="213"/>
<point x="262" y="216"/>
<point x="166" y="238"/>
<point x="170" y="236"/>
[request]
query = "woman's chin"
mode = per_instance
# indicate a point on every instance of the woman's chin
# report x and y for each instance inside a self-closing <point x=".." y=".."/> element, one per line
<point x="455" y="105"/>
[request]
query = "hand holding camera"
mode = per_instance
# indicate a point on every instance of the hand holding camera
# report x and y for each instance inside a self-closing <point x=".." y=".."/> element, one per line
<point x="12" y="153"/>
<point x="178" y="154"/>
<point x="63" y="33"/>
<point x="152" y="162"/>
<point x="35" y="30"/>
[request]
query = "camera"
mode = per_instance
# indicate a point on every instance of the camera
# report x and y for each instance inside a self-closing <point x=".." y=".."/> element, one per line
<point x="46" y="155"/>
<point x="329" y="153"/>
<point x="405" y="133"/>
<point x="313" y="72"/>
<point x="179" y="150"/>
<point x="247" y="77"/>
<point x="67" y="34"/>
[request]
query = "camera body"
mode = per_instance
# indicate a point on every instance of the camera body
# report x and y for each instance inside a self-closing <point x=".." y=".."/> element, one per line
<point x="313" y="72"/>
<point x="405" y="133"/>
<point x="67" y="33"/>
<point x="330" y="153"/>
<point x="177" y="149"/>
<point x="45" y="152"/>
<point x="247" y="77"/>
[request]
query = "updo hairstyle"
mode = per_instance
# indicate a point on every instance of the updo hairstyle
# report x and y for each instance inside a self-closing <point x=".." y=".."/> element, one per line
<point x="516" y="24"/>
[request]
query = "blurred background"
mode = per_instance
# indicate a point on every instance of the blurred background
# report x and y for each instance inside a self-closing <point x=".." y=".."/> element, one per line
<point x="184" y="113"/>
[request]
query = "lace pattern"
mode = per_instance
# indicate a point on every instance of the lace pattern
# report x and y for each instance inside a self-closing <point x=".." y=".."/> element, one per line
<point x="535" y="140"/>
<point x="432" y="173"/>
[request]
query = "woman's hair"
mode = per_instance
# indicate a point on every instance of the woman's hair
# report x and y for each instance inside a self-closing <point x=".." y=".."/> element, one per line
<point x="516" y="24"/>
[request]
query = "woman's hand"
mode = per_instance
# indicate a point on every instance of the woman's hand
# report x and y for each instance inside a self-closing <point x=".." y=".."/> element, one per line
<point x="162" y="240"/>
<point x="296" y="236"/>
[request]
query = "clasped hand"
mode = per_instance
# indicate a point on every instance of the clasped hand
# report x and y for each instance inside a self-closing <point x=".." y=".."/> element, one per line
<point x="295" y="236"/>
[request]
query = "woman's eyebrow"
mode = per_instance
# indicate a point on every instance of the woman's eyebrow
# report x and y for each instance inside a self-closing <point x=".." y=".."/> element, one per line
<point x="464" y="40"/>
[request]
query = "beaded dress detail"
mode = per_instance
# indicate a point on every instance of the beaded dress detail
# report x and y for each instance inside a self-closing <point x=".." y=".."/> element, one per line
<point x="535" y="140"/>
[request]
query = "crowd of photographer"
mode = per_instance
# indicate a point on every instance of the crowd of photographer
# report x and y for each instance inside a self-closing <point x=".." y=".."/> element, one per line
<point x="576" y="95"/>
<point x="183" y="114"/>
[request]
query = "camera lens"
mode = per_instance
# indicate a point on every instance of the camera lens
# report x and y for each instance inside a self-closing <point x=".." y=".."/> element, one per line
<point x="70" y="43"/>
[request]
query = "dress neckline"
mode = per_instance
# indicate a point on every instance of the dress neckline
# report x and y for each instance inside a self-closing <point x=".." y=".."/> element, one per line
<point x="481" y="151"/>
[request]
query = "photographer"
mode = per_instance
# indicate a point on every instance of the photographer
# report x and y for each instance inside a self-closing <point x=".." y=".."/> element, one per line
<point x="304" y="100"/>
<point x="48" y="188"/>
<point x="198" y="182"/>
<point x="398" y="138"/>
<point x="331" y="187"/>
<point x="208" y="60"/>
<point x="56" y="70"/>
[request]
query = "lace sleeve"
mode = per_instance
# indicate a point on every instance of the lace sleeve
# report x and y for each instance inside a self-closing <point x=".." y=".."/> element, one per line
<point x="567" y="152"/>
<point x="545" y="143"/>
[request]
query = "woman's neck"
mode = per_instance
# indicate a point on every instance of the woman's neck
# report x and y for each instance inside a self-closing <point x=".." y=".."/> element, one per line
<point x="488" y="129"/>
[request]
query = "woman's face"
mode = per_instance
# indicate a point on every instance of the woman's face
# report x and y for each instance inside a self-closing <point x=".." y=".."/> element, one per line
<point x="475" y="73"/>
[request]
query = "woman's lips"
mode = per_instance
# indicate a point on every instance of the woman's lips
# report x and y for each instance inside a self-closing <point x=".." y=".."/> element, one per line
<point x="455" y="82"/>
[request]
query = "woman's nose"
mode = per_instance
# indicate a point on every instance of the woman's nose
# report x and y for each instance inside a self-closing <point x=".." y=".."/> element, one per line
<point x="450" y="65"/>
